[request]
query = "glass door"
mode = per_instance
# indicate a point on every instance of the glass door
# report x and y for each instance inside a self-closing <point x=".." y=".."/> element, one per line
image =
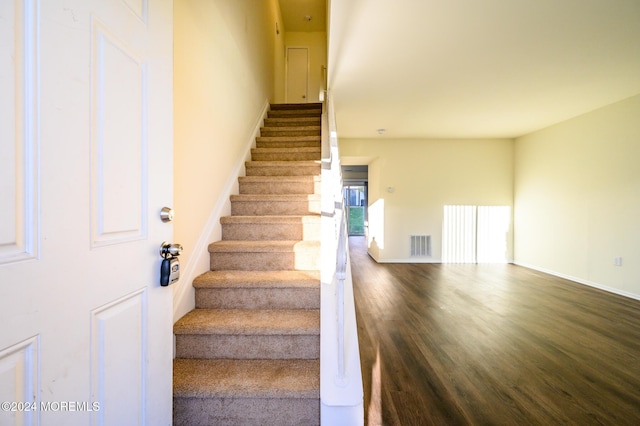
<point x="355" y="201"/>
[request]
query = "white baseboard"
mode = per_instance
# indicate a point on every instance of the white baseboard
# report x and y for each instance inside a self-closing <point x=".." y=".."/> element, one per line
<point x="580" y="281"/>
<point x="199" y="263"/>
<point x="407" y="260"/>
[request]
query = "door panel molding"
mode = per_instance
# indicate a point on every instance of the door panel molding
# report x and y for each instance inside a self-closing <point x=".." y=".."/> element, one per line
<point x="119" y="146"/>
<point x="19" y="366"/>
<point x="118" y="355"/>
<point x="140" y="8"/>
<point x="19" y="121"/>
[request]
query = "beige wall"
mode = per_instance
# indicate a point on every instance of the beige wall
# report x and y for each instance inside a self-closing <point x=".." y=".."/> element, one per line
<point x="227" y="59"/>
<point x="577" y="198"/>
<point x="317" y="44"/>
<point x="426" y="175"/>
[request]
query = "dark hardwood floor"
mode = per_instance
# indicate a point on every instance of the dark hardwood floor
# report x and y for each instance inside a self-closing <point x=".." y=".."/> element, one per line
<point x="492" y="345"/>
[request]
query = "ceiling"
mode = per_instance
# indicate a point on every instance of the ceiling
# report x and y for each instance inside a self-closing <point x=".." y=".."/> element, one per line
<point x="476" y="69"/>
<point x="295" y="12"/>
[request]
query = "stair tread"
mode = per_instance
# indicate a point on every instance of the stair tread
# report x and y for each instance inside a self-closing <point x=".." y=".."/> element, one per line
<point x="207" y="378"/>
<point x="276" y="178"/>
<point x="313" y="110"/>
<point x="287" y="150"/>
<point x="299" y="219"/>
<point x="291" y="128"/>
<point x="307" y="105"/>
<point x="289" y="138"/>
<point x="280" y="163"/>
<point x="275" y="197"/>
<point x="292" y="121"/>
<point x="264" y="279"/>
<point x="283" y="168"/>
<point x="278" y="246"/>
<point x="250" y="322"/>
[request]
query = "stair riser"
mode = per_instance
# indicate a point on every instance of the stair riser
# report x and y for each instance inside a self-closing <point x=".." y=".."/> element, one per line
<point x="292" y="122"/>
<point x="272" y="261"/>
<point x="287" y="144"/>
<point x="253" y="169"/>
<point x="294" y="113"/>
<point x="257" y="208"/>
<point x="248" y="346"/>
<point x="280" y="188"/>
<point x="258" y="298"/>
<point x="285" y="156"/>
<point x="315" y="138"/>
<point x="233" y="411"/>
<point x="289" y="132"/>
<point x="296" y="106"/>
<point x="278" y="232"/>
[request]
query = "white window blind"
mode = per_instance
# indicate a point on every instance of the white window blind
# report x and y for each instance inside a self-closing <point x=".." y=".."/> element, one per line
<point x="459" y="234"/>
<point x="475" y="234"/>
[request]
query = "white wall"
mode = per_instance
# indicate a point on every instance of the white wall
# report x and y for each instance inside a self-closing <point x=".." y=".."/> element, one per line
<point x="317" y="44"/>
<point x="227" y="57"/>
<point x="426" y="175"/>
<point x="577" y="198"/>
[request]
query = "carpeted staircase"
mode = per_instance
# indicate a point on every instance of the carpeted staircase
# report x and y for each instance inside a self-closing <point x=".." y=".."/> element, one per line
<point x="249" y="353"/>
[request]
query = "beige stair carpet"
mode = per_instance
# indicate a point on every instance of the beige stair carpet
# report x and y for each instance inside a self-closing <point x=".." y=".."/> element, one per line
<point x="249" y="353"/>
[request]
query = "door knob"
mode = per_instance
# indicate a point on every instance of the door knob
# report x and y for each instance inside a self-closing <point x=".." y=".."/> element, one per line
<point x="170" y="250"/>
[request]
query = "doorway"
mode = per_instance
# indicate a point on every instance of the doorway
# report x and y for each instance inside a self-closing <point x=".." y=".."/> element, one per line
<point x="355" y="201"/>
<point x="297" y="75"/>
<point x="355" y="193"/>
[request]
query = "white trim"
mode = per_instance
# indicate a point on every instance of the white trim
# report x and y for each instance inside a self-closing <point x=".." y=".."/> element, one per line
<point x="430" y="260"/>
<point x="580" y="281"/>
<point x="199" y="261"/>
<point x="407" y="260"/>
<point x="26" y="137"/>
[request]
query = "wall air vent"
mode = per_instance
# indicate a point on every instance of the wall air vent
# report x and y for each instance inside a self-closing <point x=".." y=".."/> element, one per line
<point x="421" y="246"/>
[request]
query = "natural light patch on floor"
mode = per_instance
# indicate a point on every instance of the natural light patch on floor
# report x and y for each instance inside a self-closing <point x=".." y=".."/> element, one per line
<point x="374" y="412"/>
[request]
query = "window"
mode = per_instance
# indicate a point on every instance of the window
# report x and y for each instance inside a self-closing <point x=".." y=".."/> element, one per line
<point x="475" y="234"/>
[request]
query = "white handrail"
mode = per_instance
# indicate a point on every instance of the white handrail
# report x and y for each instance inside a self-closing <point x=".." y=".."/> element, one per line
<point x="341" y="391"/>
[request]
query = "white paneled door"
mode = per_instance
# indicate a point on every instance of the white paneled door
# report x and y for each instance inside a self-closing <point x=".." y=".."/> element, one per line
<point x="297" y="74"/>
<point x="85" y="168"/>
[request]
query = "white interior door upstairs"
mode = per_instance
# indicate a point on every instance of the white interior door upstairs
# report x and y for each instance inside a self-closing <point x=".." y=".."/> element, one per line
<point x="85" y="168"/>
<point x="297" y="70"/>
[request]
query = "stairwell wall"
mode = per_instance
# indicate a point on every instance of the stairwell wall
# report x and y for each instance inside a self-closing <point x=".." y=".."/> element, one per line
<point x="227" y="57"/>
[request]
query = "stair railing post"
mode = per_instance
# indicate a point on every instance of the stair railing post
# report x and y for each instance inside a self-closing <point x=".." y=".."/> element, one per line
<point x="341" y="273"/>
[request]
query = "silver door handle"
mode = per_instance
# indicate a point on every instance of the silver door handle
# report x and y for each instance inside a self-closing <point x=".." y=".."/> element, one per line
<point x="170" y="250"/>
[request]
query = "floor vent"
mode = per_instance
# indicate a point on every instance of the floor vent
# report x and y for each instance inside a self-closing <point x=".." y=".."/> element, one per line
<point x="420" y="245"/>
